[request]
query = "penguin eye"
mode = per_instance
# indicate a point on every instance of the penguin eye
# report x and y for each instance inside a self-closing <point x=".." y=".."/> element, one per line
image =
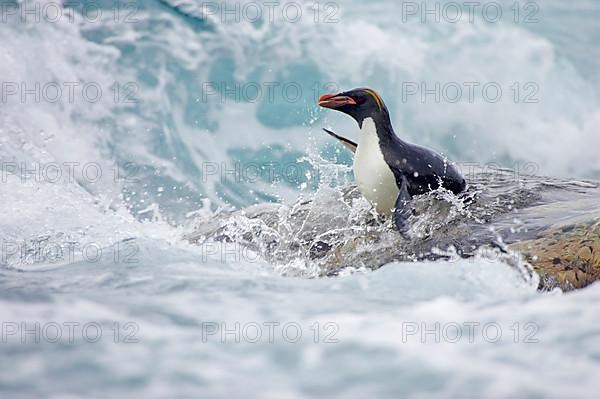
<point x="360" y="99"/>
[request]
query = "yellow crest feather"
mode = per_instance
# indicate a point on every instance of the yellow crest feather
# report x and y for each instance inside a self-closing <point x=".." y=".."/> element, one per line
<point x="376" y="96"/>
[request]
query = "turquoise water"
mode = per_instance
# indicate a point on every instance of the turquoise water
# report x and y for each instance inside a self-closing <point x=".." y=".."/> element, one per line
<point x="105" y="251"/>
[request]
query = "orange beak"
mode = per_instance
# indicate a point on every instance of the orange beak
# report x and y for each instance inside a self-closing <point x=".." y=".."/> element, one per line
<point x="335" y="101"/>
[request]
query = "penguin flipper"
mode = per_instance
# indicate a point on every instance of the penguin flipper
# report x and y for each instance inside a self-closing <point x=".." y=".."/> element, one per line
<point x="349" y="144"/>
<point x="402" y="210"/>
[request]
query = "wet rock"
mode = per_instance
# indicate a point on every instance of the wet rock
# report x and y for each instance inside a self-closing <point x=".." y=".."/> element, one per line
<point x="568" y="258"/>
<point x="553" y="224"/>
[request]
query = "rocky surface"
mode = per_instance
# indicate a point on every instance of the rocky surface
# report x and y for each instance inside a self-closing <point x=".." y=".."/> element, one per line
<point x="552" y="225"/>
<point x="567" y="257"/>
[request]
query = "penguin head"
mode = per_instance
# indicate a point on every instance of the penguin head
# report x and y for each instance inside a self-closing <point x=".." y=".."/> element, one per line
<point x="358" y="103"/>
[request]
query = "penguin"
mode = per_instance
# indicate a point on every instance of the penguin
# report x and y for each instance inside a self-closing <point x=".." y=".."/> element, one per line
<point x="388" y="170"/>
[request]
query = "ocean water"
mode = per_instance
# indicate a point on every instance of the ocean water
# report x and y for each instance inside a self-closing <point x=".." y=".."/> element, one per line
<point x="122" y="124"/>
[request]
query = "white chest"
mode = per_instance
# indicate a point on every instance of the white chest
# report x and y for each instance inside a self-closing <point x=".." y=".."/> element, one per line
<point x="374" y="177"/>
